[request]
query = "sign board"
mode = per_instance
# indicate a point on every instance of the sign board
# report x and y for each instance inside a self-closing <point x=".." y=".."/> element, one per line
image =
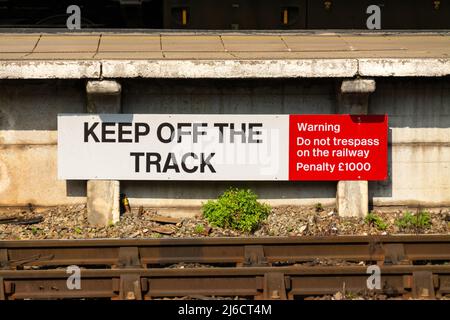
<point x="221" y="147"/>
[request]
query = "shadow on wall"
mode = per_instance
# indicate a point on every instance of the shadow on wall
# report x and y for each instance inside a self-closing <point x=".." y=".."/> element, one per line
<point x="76" y="188"/>
<point x="383" y="188"/>
<point x="34" y="104"/>
<point x="212" y="189"/>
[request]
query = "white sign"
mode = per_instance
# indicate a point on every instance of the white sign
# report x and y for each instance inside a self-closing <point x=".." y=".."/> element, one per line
<point x="173" y="147"/>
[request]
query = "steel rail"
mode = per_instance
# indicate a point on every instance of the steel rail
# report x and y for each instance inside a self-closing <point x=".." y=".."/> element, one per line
<point x="255" y="282"/>
<point x="234" y="251"/>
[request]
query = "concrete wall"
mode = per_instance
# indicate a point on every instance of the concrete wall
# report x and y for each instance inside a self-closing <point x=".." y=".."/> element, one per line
<point x="28" y="139"/>
<point x="419" y="153"/>
<point x="419" y="157"/>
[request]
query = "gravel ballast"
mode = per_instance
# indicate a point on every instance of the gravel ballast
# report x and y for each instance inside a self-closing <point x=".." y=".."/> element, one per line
<point x="70" y="222"/>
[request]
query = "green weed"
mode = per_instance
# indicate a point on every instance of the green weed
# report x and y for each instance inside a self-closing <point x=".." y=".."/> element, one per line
<point x="373" y="219"/>
<point x="237" y="209"/>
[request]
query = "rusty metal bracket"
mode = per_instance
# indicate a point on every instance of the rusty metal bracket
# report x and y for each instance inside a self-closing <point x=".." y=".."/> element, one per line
<point x="6" y="288"/>
<point x="394" y="253"/>
<point x="444" y="284"/>
<point x="254" y="256"/>
<point x="375" y="249"/>
<point x="2" y="290"/>
<point x="275" y="286"/>
<point x="4" y="261"/>
<point x="423" y="284"/>
<point x="129" y="258"/>
<point x="130" y="287"/>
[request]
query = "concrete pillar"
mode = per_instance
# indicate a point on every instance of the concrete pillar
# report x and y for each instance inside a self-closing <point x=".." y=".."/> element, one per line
<point x="103" y="195"/>
<point x="103" y="96"/>
<point x="103" y="198"/>
<point x="352" y="199"/>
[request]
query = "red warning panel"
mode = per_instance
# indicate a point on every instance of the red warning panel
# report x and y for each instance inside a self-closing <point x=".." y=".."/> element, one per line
<point x="338" y="147"/>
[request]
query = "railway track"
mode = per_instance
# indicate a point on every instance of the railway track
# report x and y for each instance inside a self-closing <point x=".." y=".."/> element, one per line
<point x="255" y="268"/>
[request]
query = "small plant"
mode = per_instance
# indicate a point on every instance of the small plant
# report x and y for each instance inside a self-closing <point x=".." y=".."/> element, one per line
<point x="156" y="235"/>
<point x="421" y="220"/>
<point x="78" y="230"/>
<point x="35" y="230"/>
<point x="199" y="228"/>
<point x="350" y="295"/>
<point x="318" y="207"/>
<point x="236" y="209"/>
<point x="374" y="220"/>
<point x="405" y="221"/>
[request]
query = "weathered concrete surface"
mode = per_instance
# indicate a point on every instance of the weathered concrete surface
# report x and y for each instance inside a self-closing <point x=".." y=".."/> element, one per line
<point x="28" y="174"/>
<point x="103" y="196"/>
<point x="227" y="55"/>
<point x="412" y="67"/>
<point x="194" y="69"/>
<point x="106" y="87"/>
<point x="353" y="96"/>
<point x="49" y="69"/>
<point x="151" y="67"/>
<point x="183" y="197"/>
<point x="358" y="86"/>
<point x="28" y="137"/>
<point x="352" y="198"/>
<point x="103" y="96"/>
<point x="103" y="202"/>
<point x="419" y="142"/>
<point x="419" y="137"/>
